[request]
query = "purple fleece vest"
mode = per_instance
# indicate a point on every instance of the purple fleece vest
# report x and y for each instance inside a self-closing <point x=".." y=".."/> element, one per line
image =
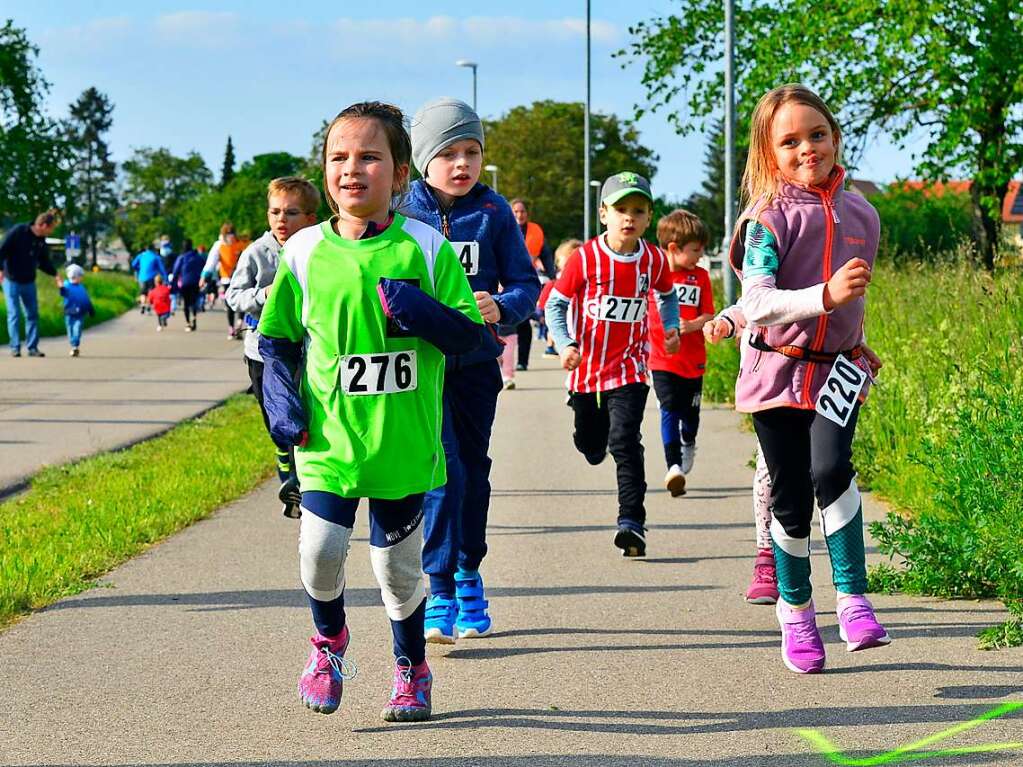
<point x="818" y="230"/>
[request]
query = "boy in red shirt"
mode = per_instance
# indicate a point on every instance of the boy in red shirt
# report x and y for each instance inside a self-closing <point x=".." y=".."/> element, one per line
<point x="678" y="377"/>
<point x="609" y="278"/>
<point x="159" y="299"/>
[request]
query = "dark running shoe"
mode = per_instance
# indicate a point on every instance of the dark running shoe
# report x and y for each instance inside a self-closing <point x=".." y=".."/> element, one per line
<point x="630" y="541"/>
<point x="291" y="496"/>
<point x="35" y="353"/>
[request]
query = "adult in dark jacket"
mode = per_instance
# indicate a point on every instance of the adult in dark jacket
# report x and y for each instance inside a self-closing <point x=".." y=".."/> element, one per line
<point x="187" y="272"/>
<point x="22" y="252"/>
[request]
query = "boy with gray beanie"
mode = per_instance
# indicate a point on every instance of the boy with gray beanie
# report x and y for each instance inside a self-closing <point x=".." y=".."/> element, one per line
<point x="447" y="148"/>
<point x="76" y="305"/>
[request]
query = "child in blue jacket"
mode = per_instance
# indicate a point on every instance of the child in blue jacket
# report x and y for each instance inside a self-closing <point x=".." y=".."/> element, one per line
<point x="447" y="148"/>
<point x="76" y="306"/>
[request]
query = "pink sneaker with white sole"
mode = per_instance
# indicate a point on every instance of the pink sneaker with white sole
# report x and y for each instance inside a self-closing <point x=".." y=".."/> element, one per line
<point x="801" y="646"/>
<point x="858" y="626"/>
<point x="322" y="679"/>
<point x="763" y="589"/>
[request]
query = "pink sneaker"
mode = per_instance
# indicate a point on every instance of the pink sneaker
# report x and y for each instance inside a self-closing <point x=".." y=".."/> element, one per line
<point x="857" y="625"/>
<point x="763" y="589"/>
<point x="410" y="696"/>
<point x="321" y="681"/>
<point x="801" y="645"/>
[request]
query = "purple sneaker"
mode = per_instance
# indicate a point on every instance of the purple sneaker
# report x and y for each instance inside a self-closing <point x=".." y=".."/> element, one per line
<point x="763" y="589"/>
<point x="857" y="625"/>
<point x="801" y="645"/>
<point x="410" y="696"/>
<point x="321" y="681"/>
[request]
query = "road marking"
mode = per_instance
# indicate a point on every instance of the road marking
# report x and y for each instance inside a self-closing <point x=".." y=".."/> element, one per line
<point x="912" y="751"/>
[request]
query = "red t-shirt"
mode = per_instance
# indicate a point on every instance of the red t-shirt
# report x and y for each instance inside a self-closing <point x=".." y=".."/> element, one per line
<point x="695" y="297"/>
<point x="159" y="297"/>
<point x="611" y="326"/>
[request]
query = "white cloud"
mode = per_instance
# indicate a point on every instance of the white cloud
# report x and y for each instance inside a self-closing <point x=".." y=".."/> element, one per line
<point x="93" y="35"/>
<point x="204" y="28"/>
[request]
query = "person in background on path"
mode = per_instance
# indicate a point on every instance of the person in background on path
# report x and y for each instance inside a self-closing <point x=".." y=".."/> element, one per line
<point x="292" y="203"/>
<point x="147" y="265"/>
<point x="447" y="147"/>
<point x="159" y="299"/>
<point x="166" y="251"/>
<point x="763" y="589"/>
<point x="76" y="306"/>
<point x="543" y="262"/>
<point x="804" y="251"/>
<point x="22" y="252"/>
<point x="186" y="273"/>
<point x="353" y="336"/>
<point x="609" y="278"/>
<point x="561" y="256"/>
<point x="509" y="336"/>
<point x="220" y="265"/>
<point x="678" y="377"/>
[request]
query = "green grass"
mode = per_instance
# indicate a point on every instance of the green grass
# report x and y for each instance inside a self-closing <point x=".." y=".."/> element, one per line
<point x="78" y="521"/>
<point x="112" y="294"/>
<point x="722" y="361"/>
<point x="942" y="436"/>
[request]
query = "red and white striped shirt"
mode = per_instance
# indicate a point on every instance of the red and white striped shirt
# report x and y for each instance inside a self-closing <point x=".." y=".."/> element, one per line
<point x="611" y="325"/>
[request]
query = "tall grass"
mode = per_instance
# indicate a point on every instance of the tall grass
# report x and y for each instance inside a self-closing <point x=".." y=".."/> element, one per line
<point x="722" y="361"/>
<point x="111" y="293"/>
<point x="78" y="521"/>
<point x="941" y="437"/>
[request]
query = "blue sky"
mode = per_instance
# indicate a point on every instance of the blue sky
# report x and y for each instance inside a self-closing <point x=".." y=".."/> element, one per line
<point x="268" y="73"/>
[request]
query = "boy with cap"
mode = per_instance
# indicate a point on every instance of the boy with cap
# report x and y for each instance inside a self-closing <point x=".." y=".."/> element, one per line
<point x="610" y="278"/>
<point x="76" y="305"/>
<point x="447" y="148"/>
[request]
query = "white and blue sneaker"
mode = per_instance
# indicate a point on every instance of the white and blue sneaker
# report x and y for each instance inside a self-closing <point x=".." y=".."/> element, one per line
<point x="439" y="626"/>
<point x="473" y="619"/>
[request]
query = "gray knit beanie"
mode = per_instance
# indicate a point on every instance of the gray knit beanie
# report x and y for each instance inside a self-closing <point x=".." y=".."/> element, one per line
<point x="439" y="124"/>
<point x="74" y="271"/>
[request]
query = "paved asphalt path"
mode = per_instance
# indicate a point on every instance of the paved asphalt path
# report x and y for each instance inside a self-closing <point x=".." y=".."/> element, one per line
<point x="189" y="655"/>
<point x="130" y="383"/>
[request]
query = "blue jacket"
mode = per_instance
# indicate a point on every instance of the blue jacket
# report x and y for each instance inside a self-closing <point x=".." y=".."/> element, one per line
<point x="499" y="258"/>
<point x="147" y="265"/>
<point x="188" y="269"/>
<point x="76" y="300"/>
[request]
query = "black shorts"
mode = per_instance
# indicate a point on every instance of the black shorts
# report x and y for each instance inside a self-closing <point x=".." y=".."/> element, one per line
<point x="675" y="393"/>
<point x="145" y="287"/>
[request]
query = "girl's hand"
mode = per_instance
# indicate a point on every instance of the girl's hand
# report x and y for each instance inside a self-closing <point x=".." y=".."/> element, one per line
<point x="488" y="307"/>
<point x="715" y="330"/>
<point x="671" y="341"/>
<point x="570" y="358"/>
<point x="848" y="283"/>
<point x="872" y="359"/>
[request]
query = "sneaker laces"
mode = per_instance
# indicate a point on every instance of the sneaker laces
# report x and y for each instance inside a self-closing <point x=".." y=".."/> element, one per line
<point x="854" y="612"/>
<point x="404" y="683"/>
<point x="343" y="667"/>
<point x="805" y="631"/>
<point x="764" y="573"/>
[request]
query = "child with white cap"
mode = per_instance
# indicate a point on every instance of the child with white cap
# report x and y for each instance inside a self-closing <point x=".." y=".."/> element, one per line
<point x="76" y="305"/>
<point x="447" y="148"/>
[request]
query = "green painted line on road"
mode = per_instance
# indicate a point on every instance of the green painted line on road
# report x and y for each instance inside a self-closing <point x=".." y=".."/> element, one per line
<point x="912" y="751"/>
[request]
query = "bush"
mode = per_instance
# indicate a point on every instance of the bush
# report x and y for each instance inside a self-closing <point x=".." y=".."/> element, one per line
<point x="722" y="361"/>
<point x="922" y="226"/>
<point x="941" y="434"/>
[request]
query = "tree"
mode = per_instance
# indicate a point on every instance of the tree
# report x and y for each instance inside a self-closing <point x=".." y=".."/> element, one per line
<point x="242" y="201"/>
<point x="92" y="198"/>
<point x="951" y="71"/>
<point x="32" y="148"/>
<point x="227" y="169"/>
<point x="709" y="202"/>
<point x="157" y="186"/>
<point x="539" y="151"/>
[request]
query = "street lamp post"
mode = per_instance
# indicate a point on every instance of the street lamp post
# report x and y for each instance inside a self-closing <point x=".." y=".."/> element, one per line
<point x="595" y="185"/>
<point x="492" y="170"/>
<point x="586" y="135"/>
<point x="727" y="274"/>
<point x="472" y="65"/>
